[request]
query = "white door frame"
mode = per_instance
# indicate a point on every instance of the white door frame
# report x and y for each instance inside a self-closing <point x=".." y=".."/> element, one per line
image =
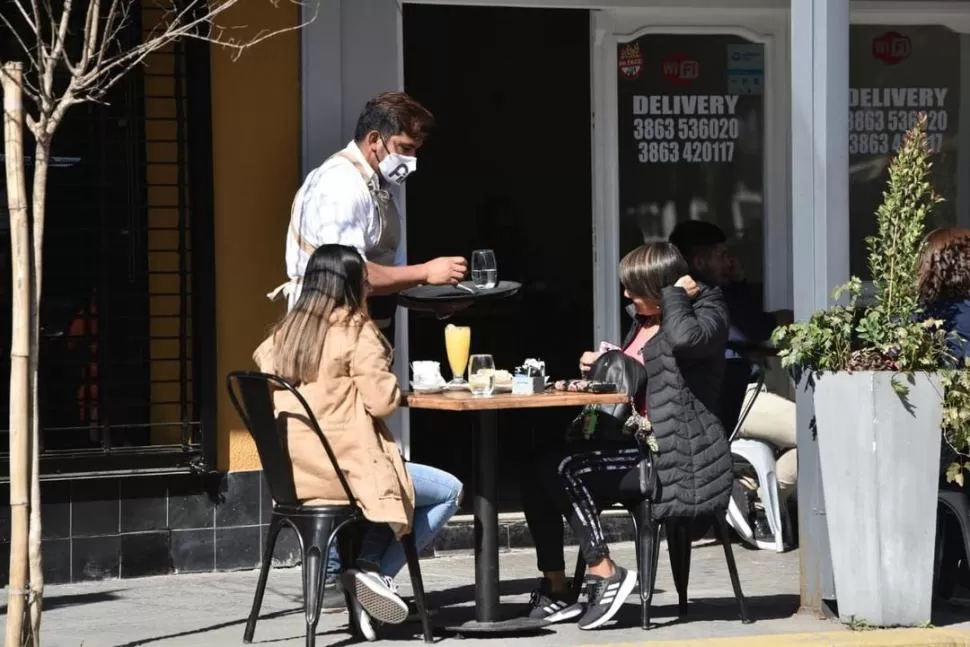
<point x="766" y="26"/>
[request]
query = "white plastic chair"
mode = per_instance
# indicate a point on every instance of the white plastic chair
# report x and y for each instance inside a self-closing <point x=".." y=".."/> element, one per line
<point x="761" y="456"/>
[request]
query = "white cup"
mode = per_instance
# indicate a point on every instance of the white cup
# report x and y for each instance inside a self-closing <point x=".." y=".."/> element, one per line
<point x="427" y="373"/>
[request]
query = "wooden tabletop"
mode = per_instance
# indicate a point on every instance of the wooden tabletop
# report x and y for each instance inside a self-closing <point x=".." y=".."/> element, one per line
<point x="465" y="401"/>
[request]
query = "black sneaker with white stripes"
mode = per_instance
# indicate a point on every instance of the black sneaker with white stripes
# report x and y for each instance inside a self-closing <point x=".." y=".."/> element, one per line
<point x="606" y="596"/>
<point x="553" y="607"/>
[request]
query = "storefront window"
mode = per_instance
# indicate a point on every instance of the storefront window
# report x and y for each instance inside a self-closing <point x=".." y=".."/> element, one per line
<point x="895" y="73"/>
<point x="691" y="142"/>
<point x="125" y="376"/>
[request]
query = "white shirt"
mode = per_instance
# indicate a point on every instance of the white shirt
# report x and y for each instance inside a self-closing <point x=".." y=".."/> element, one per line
<point x="334" y="206"/>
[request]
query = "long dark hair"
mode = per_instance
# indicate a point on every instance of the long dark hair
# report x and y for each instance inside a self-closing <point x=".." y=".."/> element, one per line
<point x="334" y="280"/>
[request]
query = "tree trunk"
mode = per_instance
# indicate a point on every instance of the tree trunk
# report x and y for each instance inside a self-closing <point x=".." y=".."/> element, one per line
<point x="11" y="78"/>
<point x="41" y="165"/>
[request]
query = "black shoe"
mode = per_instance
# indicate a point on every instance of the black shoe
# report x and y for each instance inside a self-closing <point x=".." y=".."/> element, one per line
<point x="553" y="607"/>
<point x="764" y="537"/>
<point x="606" y="596"/>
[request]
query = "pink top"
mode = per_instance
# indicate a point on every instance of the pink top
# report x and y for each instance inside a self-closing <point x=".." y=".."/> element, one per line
<point x="635" y="350"/>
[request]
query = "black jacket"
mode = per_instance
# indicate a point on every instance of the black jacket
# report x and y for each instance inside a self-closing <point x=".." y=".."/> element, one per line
<point x="685" y="372"/>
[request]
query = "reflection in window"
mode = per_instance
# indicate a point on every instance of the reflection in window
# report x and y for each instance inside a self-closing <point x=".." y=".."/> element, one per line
<point x="895" y="73"/>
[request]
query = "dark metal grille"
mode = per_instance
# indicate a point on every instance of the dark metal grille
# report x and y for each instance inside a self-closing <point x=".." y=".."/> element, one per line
<point x="124" y="384"/>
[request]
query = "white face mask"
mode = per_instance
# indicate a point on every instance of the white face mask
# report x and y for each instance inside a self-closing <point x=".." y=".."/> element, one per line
<point x="396" y="168"/>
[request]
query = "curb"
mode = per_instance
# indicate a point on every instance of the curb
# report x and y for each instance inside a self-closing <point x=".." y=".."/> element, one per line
<point x="877" y="638"/>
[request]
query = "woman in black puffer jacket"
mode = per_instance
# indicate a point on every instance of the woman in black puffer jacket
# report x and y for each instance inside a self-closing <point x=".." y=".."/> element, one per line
<point x="672" y="362"/>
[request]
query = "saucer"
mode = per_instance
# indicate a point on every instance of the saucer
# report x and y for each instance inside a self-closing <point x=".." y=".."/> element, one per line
<point x="427" y="389"/>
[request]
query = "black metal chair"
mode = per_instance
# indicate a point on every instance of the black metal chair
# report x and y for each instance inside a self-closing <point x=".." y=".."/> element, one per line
<point x="682" y="532"/>
<point x="317" y="526"/>
<point x="952" y="539"/>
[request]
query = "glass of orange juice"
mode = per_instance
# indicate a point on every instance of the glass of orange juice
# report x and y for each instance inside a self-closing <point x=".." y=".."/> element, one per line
<point x="458" y="340"/>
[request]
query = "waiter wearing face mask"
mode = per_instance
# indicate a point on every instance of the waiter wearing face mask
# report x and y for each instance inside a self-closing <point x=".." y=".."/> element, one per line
<point x="354" y="198"/>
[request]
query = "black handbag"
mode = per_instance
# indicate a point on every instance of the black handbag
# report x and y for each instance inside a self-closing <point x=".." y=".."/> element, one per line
<point x="606" y="420"/>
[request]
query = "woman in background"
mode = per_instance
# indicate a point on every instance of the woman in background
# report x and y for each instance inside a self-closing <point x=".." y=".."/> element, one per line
<point x="943" y="278"/>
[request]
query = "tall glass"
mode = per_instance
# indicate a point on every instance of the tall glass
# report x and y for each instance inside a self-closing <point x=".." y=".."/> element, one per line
<point x="481" y="375"/>
<point x="484" y="269"/>
<point x="458" y="340"/>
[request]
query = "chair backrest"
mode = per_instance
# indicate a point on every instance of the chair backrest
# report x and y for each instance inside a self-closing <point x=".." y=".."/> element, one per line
<point x="738" y="374"/>
<point x="251" y="393"/>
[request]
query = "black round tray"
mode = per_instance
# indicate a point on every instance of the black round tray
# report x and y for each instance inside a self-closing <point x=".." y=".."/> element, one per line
<point x="428" y="294"/>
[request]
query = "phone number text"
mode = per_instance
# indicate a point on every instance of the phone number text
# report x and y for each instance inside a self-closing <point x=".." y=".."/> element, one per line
<point x="896" y="121"/>
<point x="884" y="143"/>
<point x="693" y="128"/>
<point x="689" y="152"/>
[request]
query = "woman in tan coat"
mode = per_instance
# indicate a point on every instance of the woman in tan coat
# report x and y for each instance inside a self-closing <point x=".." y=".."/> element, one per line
<point x="328" y="347"/>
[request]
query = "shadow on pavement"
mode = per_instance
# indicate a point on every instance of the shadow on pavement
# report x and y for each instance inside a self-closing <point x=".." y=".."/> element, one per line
<point x="951" y="612"/>
<point x="215" y="627"/>
<point x="61" y="601"/>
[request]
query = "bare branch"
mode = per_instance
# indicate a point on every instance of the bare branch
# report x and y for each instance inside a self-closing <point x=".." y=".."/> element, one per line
<point x="90" y="34"/>
<point x="28" y="52"/>
<point x="197" y="21"/>
<point x="105" y="57"/>
<point x="114" y="24"/>
<point x="57" y="47"/>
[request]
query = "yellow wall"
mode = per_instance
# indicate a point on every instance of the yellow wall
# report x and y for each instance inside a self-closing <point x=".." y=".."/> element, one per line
<point x="256" y="164"/>
<point x="162" y="172"/>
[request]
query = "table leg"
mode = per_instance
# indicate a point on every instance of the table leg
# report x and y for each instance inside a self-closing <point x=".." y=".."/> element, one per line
<point x="486" y="518"/>
<point x="488" y="613"/>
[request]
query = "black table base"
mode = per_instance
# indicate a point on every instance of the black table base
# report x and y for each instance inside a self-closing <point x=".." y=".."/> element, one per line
<point x="488" y="617"/>
<point x="509" y="627"/>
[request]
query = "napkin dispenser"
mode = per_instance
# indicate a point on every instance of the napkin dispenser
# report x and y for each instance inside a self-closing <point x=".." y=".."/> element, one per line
<point x="530" y="378"/>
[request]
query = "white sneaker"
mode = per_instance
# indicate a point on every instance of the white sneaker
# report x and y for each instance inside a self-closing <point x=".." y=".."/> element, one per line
<point x="363" y="621"/>
<point x="377" y="594"/>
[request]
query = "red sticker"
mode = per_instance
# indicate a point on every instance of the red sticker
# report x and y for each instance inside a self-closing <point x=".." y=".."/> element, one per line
<point x="892" y="47"/>
<point x="630" y="60"/>
<point x="680" y="68"/>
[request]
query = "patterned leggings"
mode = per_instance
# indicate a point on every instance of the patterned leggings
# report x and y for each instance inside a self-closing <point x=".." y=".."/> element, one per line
<point x="576" y="484"/>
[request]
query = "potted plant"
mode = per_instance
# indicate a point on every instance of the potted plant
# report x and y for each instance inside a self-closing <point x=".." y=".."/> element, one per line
<point x="875" y="372"/>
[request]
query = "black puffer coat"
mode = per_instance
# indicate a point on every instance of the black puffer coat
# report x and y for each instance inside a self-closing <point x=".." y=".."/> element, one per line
<point x="685" y="373"/>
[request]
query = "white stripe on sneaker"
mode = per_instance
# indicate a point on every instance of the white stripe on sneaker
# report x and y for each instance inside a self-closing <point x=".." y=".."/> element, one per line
<point x="566" y="614"/>
<point x="626" y="587"/>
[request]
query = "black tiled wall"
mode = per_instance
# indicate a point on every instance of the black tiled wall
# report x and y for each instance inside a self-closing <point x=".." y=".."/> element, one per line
<point x="139" y="526"/>
<point x="131" y="527"/>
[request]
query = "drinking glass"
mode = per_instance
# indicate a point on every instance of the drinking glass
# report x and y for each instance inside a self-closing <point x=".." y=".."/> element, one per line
<point x="481" y="375"/>
<point x="458" y="340"/>
<point x="484" y="269"/>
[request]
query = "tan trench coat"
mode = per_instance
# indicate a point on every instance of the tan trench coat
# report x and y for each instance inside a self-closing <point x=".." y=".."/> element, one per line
<point x="355" y="390"/>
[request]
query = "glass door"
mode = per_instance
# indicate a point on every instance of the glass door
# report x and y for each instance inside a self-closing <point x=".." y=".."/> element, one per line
<point x="688" y="129"/>
<point x="691" y="113"/>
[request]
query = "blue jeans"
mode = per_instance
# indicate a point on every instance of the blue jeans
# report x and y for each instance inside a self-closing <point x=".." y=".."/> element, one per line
<point x="436" y="498"/>
<point x="333" y="564"/>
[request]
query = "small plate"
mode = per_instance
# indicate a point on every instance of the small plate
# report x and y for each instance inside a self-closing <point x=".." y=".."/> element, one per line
<point x="427" y="390"/>
<point x="499" y="388"/>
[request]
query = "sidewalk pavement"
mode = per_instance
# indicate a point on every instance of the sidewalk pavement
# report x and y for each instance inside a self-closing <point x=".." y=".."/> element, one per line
<point x="206" y="610"/>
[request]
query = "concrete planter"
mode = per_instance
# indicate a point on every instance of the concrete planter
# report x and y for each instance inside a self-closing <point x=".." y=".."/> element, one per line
<point x="880" y="459"/>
